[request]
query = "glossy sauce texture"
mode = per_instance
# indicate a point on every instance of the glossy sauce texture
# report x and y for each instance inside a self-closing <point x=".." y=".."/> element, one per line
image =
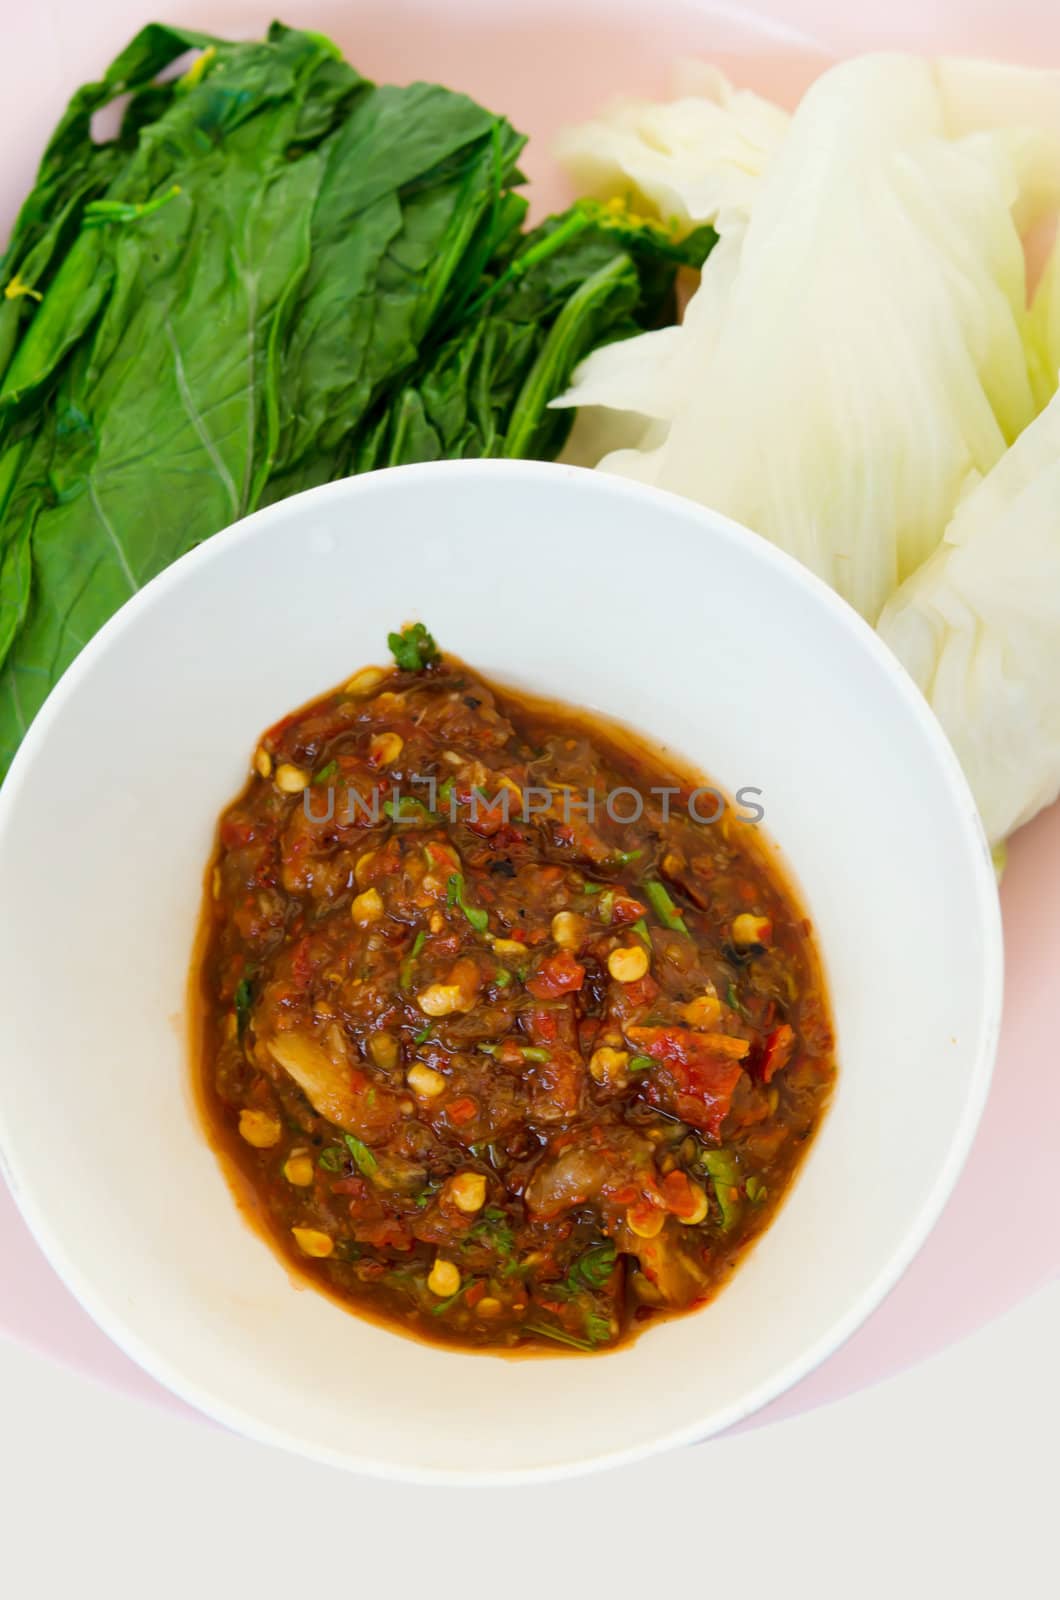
<point x="500" y="1070"/>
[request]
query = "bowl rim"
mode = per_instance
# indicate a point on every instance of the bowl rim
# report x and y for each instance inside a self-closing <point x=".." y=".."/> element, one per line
<point x="976" y="849"/>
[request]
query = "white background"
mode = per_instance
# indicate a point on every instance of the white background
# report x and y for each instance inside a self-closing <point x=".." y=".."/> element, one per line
<point x="942" y="1482"/>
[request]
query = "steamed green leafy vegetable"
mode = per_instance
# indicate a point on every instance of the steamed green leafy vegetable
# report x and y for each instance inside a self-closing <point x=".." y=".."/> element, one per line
<point x="574" y="284"/>
<point x="275" y="274"/>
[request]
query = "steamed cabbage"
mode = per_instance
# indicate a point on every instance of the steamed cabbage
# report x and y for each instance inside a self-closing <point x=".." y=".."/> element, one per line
<point x="978" y="627"/>
<point x="864" y="353"/>
<point x="693" y="159"/>
<point x="1044" y="330"/>
<point x="857" y="378"/>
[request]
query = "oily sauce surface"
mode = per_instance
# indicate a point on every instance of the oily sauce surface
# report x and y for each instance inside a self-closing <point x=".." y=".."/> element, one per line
<point x="502" y="1072"/>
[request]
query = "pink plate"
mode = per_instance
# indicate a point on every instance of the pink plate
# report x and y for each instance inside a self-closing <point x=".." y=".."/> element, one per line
<point x="545" y="63"/>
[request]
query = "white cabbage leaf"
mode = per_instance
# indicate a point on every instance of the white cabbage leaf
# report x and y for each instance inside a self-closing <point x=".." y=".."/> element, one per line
<point x="692" y="159"/>
<point x="978" y="628"/>
<point x="860" y="357"/>
<point x="1043" y="337"/>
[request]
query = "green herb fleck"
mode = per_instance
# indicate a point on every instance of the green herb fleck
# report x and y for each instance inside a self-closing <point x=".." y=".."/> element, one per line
<point x="427" y="1193"/>
<point x="640" y="928"/>
<point x="366" y="1162"/>
<point x="331" y="1159"/>
<point x="444" y="1305"/>
<point x="408" y="809"/>
<point x="244" y="1000"/>
<point x="593" y="1268"/>
<point x="326" y="773"/>
<point x="733" y="1001"/>
<point x="640" y="1064"/>
<point x="493" y="1231"/>
<point x="663" y="906"/>
<point x="456" y="896"/>
<point x="725" y="1175"/>
<point x="597" y="1328"/>
<point x="547" y="1330"/>
<point x="405" y="972"/>
<point x="413" y="648"/>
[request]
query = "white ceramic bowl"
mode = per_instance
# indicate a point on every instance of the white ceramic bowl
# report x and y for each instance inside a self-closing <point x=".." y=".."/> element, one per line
<point x="574" y="585"/>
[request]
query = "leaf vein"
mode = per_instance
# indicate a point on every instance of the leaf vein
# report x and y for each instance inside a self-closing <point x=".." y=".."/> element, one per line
<point x="198" y="421"/>
<point x="112" y="534"/>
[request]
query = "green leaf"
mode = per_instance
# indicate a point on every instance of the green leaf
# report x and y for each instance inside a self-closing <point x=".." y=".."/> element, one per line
<point x="411" y="177"/>
<point x="593" y="1268"/>
<point x="485" y="389"/>
<point x="494" y="1232"/>
<point x="331" y="1159"/>
<point x="597" y="1328"/>
<point x="690" y="249"/>
<point x="125" y="348"/>
<point x="413" y="648"/>
<point x="532" y="428"/>
<point x="75" y="169"/>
